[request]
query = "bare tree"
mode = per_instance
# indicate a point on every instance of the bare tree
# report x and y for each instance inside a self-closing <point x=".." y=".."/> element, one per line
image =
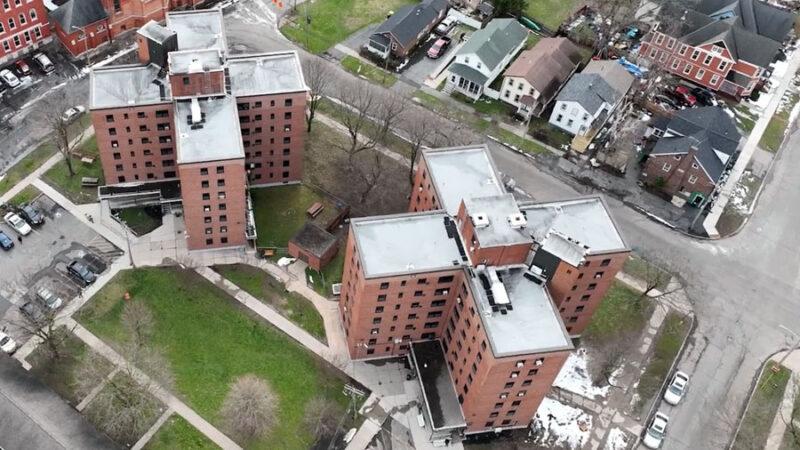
<point x="126" y="405"/>
<point x="321" y="417"/>
<point x="419" y="130"/>
<point x="138" y="321"/>
<point x="388" y="111"/>
<point x="319" y="77"/>
<point x="249" y="410"/>
<point x="370" y="170"/>
<point x="42" y="325"/>
<point x="357" y="103"/>
<point x="65" y="136"/>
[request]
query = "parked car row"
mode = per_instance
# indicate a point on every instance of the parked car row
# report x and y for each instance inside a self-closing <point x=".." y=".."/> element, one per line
<point x="10" y="77"/>
<point x="657" y="429"/>
<point x="682" y="96"/>
<point x="20" y="219"/>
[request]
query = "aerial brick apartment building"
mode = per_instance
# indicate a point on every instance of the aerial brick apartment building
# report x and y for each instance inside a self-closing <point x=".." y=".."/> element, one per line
<point x="23" y="28"/>
<point x="211" y="123"/>
<point x="477" y="288"/>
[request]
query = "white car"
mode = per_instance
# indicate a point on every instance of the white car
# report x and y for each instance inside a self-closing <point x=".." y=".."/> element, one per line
<point x="72" y="113"/>
<point x="9" y="78"/>
<point x="654" y="435"/>
<point x="16" y="222"/>
<point x="7" y="344"/>
<point x="48" y="298"/>
<point x="445" y="25"/>
<point x="676" y="388"/>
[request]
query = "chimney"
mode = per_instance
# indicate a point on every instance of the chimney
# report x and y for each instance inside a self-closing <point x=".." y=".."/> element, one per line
<point x="197" y="115"/>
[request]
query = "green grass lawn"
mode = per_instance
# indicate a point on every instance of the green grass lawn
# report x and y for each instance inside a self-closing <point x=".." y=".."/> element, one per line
<point x="665" y="349"/>
<point x="368" y="71"/>
<point x="791" y="439"/>
<point x="264" y="287"/>
<point x="334" y="20"/>
<point x="745" y="118"/>
<point x="622" y="313"/>
<point x="70" y="186"/>
<point x="27" y="165"/>
<point x="772" y="138"/>
<point x="280" y="212"/>
<point x="177" y="433"/>
<point x="26" y="195"/>
<point x="541" y="129"/>
<point x="210" y="340"/>
<point x="391" y="141"/>
<point x="141" y="220"/>
<point x="331" y="274"/>
<point x="485" y="106"/>
<point x="550" y="12"/>
<point x="642" y="269"/>
<point x="762" y="409"/>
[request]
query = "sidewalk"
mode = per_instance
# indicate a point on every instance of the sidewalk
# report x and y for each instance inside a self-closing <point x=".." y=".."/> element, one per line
<point x="779" y="425"/>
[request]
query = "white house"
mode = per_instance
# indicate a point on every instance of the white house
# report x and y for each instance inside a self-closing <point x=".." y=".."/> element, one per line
<point x="484" y="56"/>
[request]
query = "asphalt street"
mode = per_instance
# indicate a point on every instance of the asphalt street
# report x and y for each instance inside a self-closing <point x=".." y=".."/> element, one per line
<point x="743" y="288"/>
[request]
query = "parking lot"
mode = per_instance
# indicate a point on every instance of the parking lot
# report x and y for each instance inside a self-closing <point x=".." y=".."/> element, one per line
<point x="40" y="260"/>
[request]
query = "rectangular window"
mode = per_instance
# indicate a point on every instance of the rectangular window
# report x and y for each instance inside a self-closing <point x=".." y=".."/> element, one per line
<point x="692" y="179"/>
<point x="695" y="55"/>
<point x="687" y="69"/>
<point x="700" y="74"/>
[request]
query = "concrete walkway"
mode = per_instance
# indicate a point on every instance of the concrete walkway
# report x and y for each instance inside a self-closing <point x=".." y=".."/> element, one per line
<point x="727" y="189"/>
<point x="779" y="423"/>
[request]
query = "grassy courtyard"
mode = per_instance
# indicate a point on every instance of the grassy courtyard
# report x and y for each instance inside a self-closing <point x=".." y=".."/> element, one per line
<point x="772" y="138"/>
<point x="280" y="212"/>
<point x="141" y="220"/>
<point x="177" y="433"/>
<point x="26" y="165"/>
<point x="331" y="274"/>
<point x="762" y="408"/>
<point x="70" y="186"/>
<point x="550" y="12"/>
<point x="623" y="313"/>
<point x="264" y="287"/>
<point x="368" y="71"/>
<point x="211" y="340"/>
<point x="334" y="20"/>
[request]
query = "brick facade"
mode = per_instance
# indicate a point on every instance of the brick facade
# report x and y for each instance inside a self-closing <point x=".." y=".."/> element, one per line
<point x="677" y="175"/>
<point x="23" y="28"/>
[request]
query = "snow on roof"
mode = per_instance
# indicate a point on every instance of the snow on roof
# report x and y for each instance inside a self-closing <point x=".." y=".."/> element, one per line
<point x="461" y="173"/>
<point x="405" y="243"/>
<point x="187" y="61"/>
<point x="531" y="325"/>
<point x="200" y="29"/>
<point x="120" y="86"/>
<point x="266" y="73"/>
<point x="216" y="138"/>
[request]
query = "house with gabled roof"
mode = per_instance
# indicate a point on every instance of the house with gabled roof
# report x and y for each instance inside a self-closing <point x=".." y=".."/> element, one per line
<point x="406" y="28"/>
<point x="696" y="147"/>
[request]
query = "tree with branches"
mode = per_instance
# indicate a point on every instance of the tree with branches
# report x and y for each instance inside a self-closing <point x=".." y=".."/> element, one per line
<point x="42" y="325"/>
<point x="65" y="136"/>
<point x="322" y="417"/>
<point x="357" y="103"/>
<point x="370" y="169"/>
<point x="319" y="77"/>
<point x="388" y="111"/>
<point x="138" y="321"/>
<point x="419" y="130"/>
<point x="249" y="410"/>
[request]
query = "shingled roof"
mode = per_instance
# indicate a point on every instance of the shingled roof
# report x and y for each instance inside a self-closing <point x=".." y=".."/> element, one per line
<point x="599" y="83"/>
<point x="75" y="14"/>
<point x="409" y="21"/>
<point x="495" y="42"/>
<point x="753" y="15"/>
<point x="547" y="65"/>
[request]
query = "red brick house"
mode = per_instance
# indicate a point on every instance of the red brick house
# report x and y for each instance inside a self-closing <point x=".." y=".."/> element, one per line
<point x="314" y="246"/>
<point x="695" y="148"/>
<point x="80" y="25"/>
<point x="723" y="45"/>
<point x="23" y="27"/>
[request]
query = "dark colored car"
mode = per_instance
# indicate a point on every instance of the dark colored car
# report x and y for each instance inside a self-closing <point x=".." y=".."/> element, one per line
<point x="81" y="272"/>
<point x="668" y="101"/>
<point x="704" y="96"/>
<point x="439" y="47"/>
<point x="22" y="68"/>
<point x="30" y="215"/>
<point x="32" y="311"/>
<point x="5" y="242"/>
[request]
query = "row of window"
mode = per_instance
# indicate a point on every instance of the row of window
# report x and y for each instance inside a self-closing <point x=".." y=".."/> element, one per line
<point x="222" y="240"/>
<point x="258" y="117"/>
<point x="258" y="130"/>
<point x="23" y="19"/>
<point x="161" y="113"/>
<point x="259" y="153"/>
<point x="148" y="164"/>
<point x="18" y="42"/>
<point x="166" y="151"/>
<point x="668" y="167"/>
<point x="164" y="126"/>
<point x="150" y="176"/>
<point x="707" y="60"/>
<point x="7" y="3"/>
<point x="145" y="140"/>
<point x="243" y="106"/>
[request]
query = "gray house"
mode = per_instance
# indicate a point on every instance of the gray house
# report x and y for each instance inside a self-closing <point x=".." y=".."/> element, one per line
<point x="406" y="28"/>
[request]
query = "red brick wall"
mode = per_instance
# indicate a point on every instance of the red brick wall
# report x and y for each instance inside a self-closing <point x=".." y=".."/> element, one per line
<point x="578" y="291"/>
<point x="316" y="263"/>
<point x="220" y="220"/>
<point x="273" y="155"/>
<point x="132" y="14"/>
<point x="129" y="141"/>
<point x="677" y="178"/>
<point x="96" y="34"/>
<point x="188" y="84"/>
<point x="23" y="37"/>
<point x="423" y="194"/>
<point x="493" y="256"/>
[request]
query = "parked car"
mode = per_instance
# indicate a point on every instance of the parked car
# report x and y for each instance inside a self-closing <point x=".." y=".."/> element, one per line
<point x="22" y="67"/>
<point x="32" y="312"/>
<point x="72" y="113"/>
<point x="445" y="25"/>
<point x="30" y="215"/>
<point x="81" y="272"/>
<point x="5" y="242"/>
<point x="44" y="62"/>
<point x="16" y="222"/>
<point x="676" y="388"/>
<point x="667" y="102"/>
<point x="439" y="47"/>
<point x="9" y="79"/>
<point x="7" y="344"/>
<point x="684" y="95"/>
<point x="48" y="298"/>
<point x="705" y="96"/>
<point x="655" y="433"/>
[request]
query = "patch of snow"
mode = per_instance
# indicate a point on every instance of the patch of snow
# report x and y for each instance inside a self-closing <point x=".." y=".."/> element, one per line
<point x="284" y="261"/>
<point x="738" y="198"/>
<point x="561" y="425"/>
<point x="617" y="440"/>
<point x="574" y="377"/>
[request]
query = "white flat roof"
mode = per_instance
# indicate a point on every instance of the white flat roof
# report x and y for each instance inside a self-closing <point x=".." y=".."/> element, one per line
<point x="584" y="221"/>
<point x="462" y="173"/>
<point x="405" y="243"/>
<point x="218" y="138"/>
<point x="266" y="73"/>
<point x="126" y="86"/>
<point x="531" y="324"/>
<point x="200" y="29"/>
<point x="181" y="61"/>
<point x="497" y="209"/>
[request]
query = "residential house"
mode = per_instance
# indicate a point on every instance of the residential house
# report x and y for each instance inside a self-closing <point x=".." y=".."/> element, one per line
<point x="23" y="28"/>
<point x="537" y="75"/>
<point x="723" y="45"/>
<point x="406" y="28"/>
<point x="589" y="97"/>
<point x="80" y="25"/>
<point x="484" y="56"/>
<point x="695" y="148"/>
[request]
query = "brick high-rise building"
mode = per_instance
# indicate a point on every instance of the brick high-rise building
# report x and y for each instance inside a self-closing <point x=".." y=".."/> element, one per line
<point x="463" y="284"/>
<point x="23" y="27"/>
<point x="212" y="123"/>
